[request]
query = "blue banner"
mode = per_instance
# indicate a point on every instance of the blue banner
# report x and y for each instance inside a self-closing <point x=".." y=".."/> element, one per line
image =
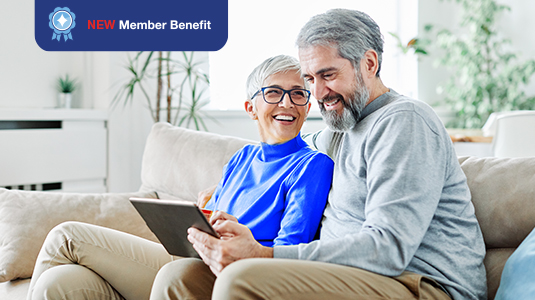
<point x="131" y="25"/>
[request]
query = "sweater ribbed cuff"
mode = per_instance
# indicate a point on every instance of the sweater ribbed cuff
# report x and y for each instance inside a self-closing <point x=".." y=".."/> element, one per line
<point x="291" y="252"/>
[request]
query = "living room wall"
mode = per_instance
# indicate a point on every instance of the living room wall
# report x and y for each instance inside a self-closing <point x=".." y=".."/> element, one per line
<point x="28" y="74"/>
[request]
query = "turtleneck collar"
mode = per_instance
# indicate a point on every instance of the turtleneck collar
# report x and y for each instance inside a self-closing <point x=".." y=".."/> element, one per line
<point x="272" y="152"/>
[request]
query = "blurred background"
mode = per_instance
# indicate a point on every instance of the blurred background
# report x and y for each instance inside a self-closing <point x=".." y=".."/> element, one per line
<point x="68" y="120"/>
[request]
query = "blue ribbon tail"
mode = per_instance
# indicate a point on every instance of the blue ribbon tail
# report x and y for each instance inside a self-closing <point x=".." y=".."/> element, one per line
<point x="53" y="35"/>
<point x="70" y="36"/>
<point x="65" y="37"/>
<point x="58" y="37"/>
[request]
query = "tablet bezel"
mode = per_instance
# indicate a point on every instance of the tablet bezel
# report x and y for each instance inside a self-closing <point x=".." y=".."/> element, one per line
<point x="169" y="220"/>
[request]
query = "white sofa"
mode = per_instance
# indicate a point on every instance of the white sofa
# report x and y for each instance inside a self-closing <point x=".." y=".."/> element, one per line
<point x="178" y="163"/>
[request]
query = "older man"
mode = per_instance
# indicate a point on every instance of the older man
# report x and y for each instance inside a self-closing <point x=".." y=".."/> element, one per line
<point x="399" y="223"/>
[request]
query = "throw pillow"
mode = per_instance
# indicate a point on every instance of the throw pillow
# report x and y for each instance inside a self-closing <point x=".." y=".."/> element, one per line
<point x="27" y="217"/>
<point x="518" y="276"/>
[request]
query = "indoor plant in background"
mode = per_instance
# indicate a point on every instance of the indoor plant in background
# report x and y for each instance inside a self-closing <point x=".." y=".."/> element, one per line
<point x="487" y="76"/>
<point x="65" y="86"/>
<point x="415" y="45"/>
<point x="183" y="100"/>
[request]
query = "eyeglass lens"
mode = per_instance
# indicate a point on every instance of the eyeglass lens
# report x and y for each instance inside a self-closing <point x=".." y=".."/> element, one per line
<point x="274" y="95"/>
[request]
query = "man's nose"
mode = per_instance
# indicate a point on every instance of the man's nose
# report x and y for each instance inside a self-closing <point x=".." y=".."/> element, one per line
<point x="319" y="90"/>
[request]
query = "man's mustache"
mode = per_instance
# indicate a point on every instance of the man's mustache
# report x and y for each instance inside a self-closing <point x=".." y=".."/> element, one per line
<point x="332" y="97"/>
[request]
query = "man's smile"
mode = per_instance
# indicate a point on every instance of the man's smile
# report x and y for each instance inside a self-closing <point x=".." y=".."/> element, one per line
<point x="331" y="102"/>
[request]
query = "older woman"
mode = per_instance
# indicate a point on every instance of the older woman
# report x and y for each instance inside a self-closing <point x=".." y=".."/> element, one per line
<point x="278" y="189"/>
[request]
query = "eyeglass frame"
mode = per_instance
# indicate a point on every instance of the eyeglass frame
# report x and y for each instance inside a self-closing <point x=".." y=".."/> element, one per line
<point x="284" y="92"/>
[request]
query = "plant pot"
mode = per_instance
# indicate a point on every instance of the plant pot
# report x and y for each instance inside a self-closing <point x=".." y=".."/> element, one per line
<point x="65" y="100"/>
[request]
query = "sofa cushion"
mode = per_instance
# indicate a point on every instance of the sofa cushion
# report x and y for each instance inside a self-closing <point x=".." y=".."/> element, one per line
<point x="503" y="192"/>
<point x="27" y="217"/>
<point x="170" y="150"/>
<point x="494" y="263"/>
<point x="14" y="290"/>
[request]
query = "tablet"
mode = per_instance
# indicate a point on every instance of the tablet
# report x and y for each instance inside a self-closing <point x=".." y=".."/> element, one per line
<point x="169" y="220"/>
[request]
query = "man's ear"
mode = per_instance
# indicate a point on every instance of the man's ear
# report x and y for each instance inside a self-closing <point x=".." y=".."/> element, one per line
<point x="249" y="108"/>
<point x="370" y="64"/>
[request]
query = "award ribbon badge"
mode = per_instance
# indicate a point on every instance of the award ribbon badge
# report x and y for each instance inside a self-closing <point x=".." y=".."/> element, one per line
<point x="62" y="21"/>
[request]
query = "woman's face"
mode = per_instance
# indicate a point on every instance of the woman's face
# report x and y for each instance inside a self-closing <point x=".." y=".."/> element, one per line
<point x="279" y="123"/>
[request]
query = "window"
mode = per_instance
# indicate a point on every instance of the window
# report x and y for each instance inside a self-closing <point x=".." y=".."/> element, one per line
<point x="258" y="31"/>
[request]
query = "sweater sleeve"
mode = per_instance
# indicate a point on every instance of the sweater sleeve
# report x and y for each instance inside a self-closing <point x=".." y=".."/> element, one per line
<point x="308" y="189"/>
<point x="405" y="169"/>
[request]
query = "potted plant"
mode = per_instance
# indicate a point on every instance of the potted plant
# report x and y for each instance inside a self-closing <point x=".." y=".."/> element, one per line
<point x="487" y="76"/>
<point x="161" y="69"/>
<point x="65" y="86"/>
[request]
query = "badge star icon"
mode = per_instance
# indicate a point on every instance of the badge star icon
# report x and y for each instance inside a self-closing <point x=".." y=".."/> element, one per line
<point x="62" y="20"/>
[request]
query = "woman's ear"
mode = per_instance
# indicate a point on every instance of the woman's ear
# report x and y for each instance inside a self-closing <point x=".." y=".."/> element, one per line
<point x="249" y="108"/>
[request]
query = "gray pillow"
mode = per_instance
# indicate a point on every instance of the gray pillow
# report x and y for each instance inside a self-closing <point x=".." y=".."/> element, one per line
<point x="518" y="276"/>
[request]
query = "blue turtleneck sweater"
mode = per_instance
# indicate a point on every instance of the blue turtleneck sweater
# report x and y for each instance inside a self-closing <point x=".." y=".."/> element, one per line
<point x="278" y="191"/>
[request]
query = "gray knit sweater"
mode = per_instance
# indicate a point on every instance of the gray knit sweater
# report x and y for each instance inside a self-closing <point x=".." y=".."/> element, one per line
<point x="399" y="200"/>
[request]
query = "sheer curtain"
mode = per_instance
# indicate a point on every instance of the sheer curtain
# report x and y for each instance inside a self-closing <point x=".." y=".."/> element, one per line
<point x="258" y="30"/>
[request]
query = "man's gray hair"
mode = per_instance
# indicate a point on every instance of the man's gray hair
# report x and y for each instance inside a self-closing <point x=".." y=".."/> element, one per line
<point x="270" y="66"/>
<point x="351" y="32"/>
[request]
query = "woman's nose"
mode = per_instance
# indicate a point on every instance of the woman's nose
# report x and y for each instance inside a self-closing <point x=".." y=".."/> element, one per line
<point x="286" y="101"/>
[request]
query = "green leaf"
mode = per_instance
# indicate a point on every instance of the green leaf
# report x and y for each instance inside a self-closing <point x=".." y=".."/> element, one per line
<point x="486" y="75"/>
<point x="192" y="83"/>
<point x="66" y="84"/>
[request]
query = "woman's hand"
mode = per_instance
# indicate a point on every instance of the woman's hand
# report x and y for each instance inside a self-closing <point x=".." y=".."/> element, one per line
<point x="204" y="196"/>
<point x="221" y="216"/>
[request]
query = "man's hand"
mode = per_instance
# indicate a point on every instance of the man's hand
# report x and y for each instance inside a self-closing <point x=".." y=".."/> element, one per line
<point x="205" y="195"/>
<point x="237" y="242"/>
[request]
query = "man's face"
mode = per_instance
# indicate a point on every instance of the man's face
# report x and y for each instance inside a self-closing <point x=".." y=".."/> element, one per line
<point x="339" y="89"/>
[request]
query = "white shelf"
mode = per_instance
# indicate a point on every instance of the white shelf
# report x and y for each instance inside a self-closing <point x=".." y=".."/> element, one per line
<point x="9" y="114"/>
<point x="73" y="152"/>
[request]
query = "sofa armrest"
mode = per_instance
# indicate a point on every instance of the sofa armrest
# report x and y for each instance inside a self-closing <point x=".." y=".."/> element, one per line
<point x="26" y="217"/>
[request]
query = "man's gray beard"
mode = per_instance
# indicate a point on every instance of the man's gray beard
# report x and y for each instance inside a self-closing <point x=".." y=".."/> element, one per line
<point x="353" y="107"/>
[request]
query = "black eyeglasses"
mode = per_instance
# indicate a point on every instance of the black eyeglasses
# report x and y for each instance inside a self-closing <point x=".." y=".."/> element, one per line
<point x="274" y="95"/>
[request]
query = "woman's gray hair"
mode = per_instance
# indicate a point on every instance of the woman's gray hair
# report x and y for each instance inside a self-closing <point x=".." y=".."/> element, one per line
<point x="270" y="66"/>
<point x="351" y="32"/>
